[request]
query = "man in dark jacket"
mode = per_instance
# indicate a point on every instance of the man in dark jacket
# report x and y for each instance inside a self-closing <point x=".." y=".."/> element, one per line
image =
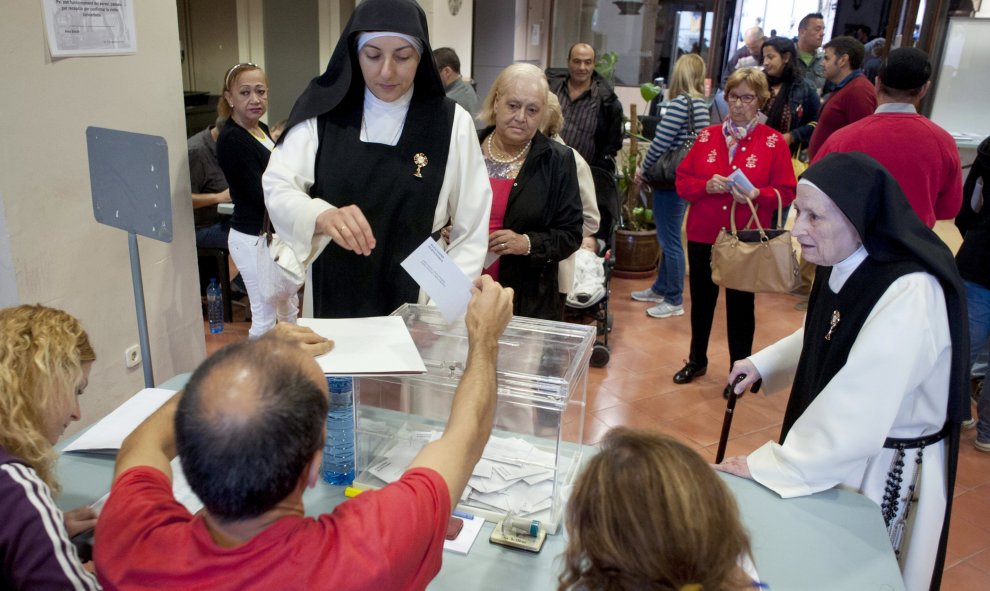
<point x="973" y="260"/>
<point x="592" y="112"/>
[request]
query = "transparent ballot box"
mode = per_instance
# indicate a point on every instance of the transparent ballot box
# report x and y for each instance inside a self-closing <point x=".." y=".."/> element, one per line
<point x="534" y="452"/>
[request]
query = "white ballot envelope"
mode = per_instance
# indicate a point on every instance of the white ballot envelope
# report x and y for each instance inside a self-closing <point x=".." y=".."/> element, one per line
<point x="739" y="180"/>
<point x="440" y="278"/>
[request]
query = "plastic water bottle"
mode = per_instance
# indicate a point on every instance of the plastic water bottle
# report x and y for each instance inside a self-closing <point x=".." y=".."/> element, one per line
<point x="214" y="306"/>
<point x="338" y="453"/>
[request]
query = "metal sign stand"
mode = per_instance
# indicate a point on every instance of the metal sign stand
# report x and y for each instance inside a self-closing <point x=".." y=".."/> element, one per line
<point x="128" y="175"/>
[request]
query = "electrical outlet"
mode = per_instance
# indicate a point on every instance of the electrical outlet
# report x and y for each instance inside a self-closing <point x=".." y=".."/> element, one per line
<point x="132" y="356"/>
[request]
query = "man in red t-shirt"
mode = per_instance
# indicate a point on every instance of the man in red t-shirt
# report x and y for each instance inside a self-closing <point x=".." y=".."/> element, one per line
<point x="919" y="154"/>
<point x="249" y="428"/>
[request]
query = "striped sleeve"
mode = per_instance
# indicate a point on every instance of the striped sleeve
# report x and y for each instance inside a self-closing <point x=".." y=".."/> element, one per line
<point x="36" y="550"/>
<point x="673" y="127"/>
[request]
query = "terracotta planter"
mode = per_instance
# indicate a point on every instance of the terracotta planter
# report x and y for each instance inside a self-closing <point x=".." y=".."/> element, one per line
<point x="636" y="253"/>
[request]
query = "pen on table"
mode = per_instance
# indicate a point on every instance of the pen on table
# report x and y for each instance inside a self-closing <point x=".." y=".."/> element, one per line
<point x="351" y="492"/>
<point x="462" y="515"/>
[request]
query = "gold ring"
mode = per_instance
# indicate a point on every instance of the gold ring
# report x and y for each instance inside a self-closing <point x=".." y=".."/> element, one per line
<point x="341" y="229"/>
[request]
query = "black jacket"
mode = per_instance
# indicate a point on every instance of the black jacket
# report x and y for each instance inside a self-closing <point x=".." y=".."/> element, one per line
<point x="545" y="205"/>
<point x="608" y="131"/>
<point x="973" y="257"/>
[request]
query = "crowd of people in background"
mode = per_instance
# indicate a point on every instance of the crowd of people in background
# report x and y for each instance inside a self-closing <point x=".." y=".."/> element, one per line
<point x="391" y="147"/>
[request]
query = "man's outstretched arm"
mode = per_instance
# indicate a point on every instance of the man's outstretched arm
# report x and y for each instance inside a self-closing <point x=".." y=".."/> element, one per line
<point x="472" y="412"/>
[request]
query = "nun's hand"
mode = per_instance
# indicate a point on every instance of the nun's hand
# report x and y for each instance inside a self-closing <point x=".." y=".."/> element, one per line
<point x="740" y="195"/>
<point x="347" y="227"/>
<point x="735" y="465"/>
<point x="747" y="368"/>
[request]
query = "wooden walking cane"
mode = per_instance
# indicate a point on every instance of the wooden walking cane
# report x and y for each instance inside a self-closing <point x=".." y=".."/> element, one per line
<point x="730" y="407"/>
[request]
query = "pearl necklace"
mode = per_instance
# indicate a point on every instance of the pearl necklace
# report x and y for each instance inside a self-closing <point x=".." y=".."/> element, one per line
<point x="494" y="158"/>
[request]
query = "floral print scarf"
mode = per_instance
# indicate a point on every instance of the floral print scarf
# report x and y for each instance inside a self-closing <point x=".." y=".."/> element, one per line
<point x="734" y="133"/>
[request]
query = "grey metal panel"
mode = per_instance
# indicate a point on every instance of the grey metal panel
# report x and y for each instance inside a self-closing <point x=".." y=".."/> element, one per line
<point x="128" y="175"/>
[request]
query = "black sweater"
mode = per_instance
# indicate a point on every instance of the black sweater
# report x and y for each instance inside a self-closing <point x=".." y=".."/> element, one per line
<point x="243" y="160"/>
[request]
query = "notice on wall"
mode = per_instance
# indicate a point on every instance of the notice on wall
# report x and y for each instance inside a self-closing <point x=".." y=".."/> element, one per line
<point x="90" y="27"/>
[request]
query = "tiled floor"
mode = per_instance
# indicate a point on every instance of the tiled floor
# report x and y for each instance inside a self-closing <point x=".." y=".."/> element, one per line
<point x="636" y="390"/>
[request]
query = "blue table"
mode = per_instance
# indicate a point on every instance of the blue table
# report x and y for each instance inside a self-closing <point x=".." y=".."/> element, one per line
<point x="831" y="540"/>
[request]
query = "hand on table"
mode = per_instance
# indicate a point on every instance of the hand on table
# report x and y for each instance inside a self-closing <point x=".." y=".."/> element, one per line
<point x="735" y="465"/>
<point x="348" y="227"/>
<point x="311" y="342"/>
<point x="507" y="242"/>
<point x="79" y="520"/>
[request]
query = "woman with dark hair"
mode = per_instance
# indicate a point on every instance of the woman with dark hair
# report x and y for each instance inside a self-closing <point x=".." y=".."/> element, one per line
<point x="880" y="374"/>
<point x="647" y="513"/>
<point x="374" y="160"/>
<point x="793" y="106"/>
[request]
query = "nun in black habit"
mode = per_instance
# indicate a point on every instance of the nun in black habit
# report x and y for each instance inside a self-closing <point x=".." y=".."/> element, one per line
<point x="879" y="371"/>
<point x="374" y="160"/>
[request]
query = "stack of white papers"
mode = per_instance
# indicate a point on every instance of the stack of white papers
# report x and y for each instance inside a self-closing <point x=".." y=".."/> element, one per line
<point x="512" y="474"/>
<point x="377" y="345"/>
<point x="109" y="433"/>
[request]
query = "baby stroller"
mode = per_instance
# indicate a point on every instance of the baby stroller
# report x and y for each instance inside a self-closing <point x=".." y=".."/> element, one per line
<point x="593" y="275"/>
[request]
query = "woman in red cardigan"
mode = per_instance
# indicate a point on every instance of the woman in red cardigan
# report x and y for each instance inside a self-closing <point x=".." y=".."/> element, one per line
<point x="742" y="142"/>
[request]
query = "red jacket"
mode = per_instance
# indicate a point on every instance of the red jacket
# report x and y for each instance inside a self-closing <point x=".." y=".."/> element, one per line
<point x="852" y="102"/>
<point x="763" y="157"/>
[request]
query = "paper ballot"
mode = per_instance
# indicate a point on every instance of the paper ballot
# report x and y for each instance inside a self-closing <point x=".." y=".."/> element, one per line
<point x="512" y="475"/>
<point x="440" y="278"/>
<point x="375" y="345"/>
<point x="108" y="434"/>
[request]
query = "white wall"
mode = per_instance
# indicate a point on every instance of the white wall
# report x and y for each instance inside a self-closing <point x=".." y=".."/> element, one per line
<point x="447" y="30"/>
<point x="211" y="46"/>
<point x="60" y="256"/>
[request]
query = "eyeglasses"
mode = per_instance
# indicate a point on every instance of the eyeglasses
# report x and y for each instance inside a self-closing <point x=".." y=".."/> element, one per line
<point x="226" y="79"/>
<point x="741" y="98"/>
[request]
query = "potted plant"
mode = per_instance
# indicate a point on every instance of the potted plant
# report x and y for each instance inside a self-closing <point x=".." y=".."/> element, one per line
<point x="636" y="247"/>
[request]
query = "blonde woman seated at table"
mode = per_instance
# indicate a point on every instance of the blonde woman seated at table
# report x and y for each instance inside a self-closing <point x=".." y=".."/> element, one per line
<point x="45" y="359"/>
<point x="647" y="513"/>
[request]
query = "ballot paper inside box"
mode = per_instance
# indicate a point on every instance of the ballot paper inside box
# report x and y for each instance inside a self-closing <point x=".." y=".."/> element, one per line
<point x="534" y="452"/>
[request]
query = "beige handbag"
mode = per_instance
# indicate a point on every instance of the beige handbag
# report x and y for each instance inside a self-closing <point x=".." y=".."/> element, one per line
<point x="757" y="260"/>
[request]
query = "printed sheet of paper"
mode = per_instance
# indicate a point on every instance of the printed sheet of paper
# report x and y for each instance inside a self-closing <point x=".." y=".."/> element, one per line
<point x="88" y="27"/>
<point x="440" y="278"/>
<point x="108" y="434"/>
<point x="375" y="345"/>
